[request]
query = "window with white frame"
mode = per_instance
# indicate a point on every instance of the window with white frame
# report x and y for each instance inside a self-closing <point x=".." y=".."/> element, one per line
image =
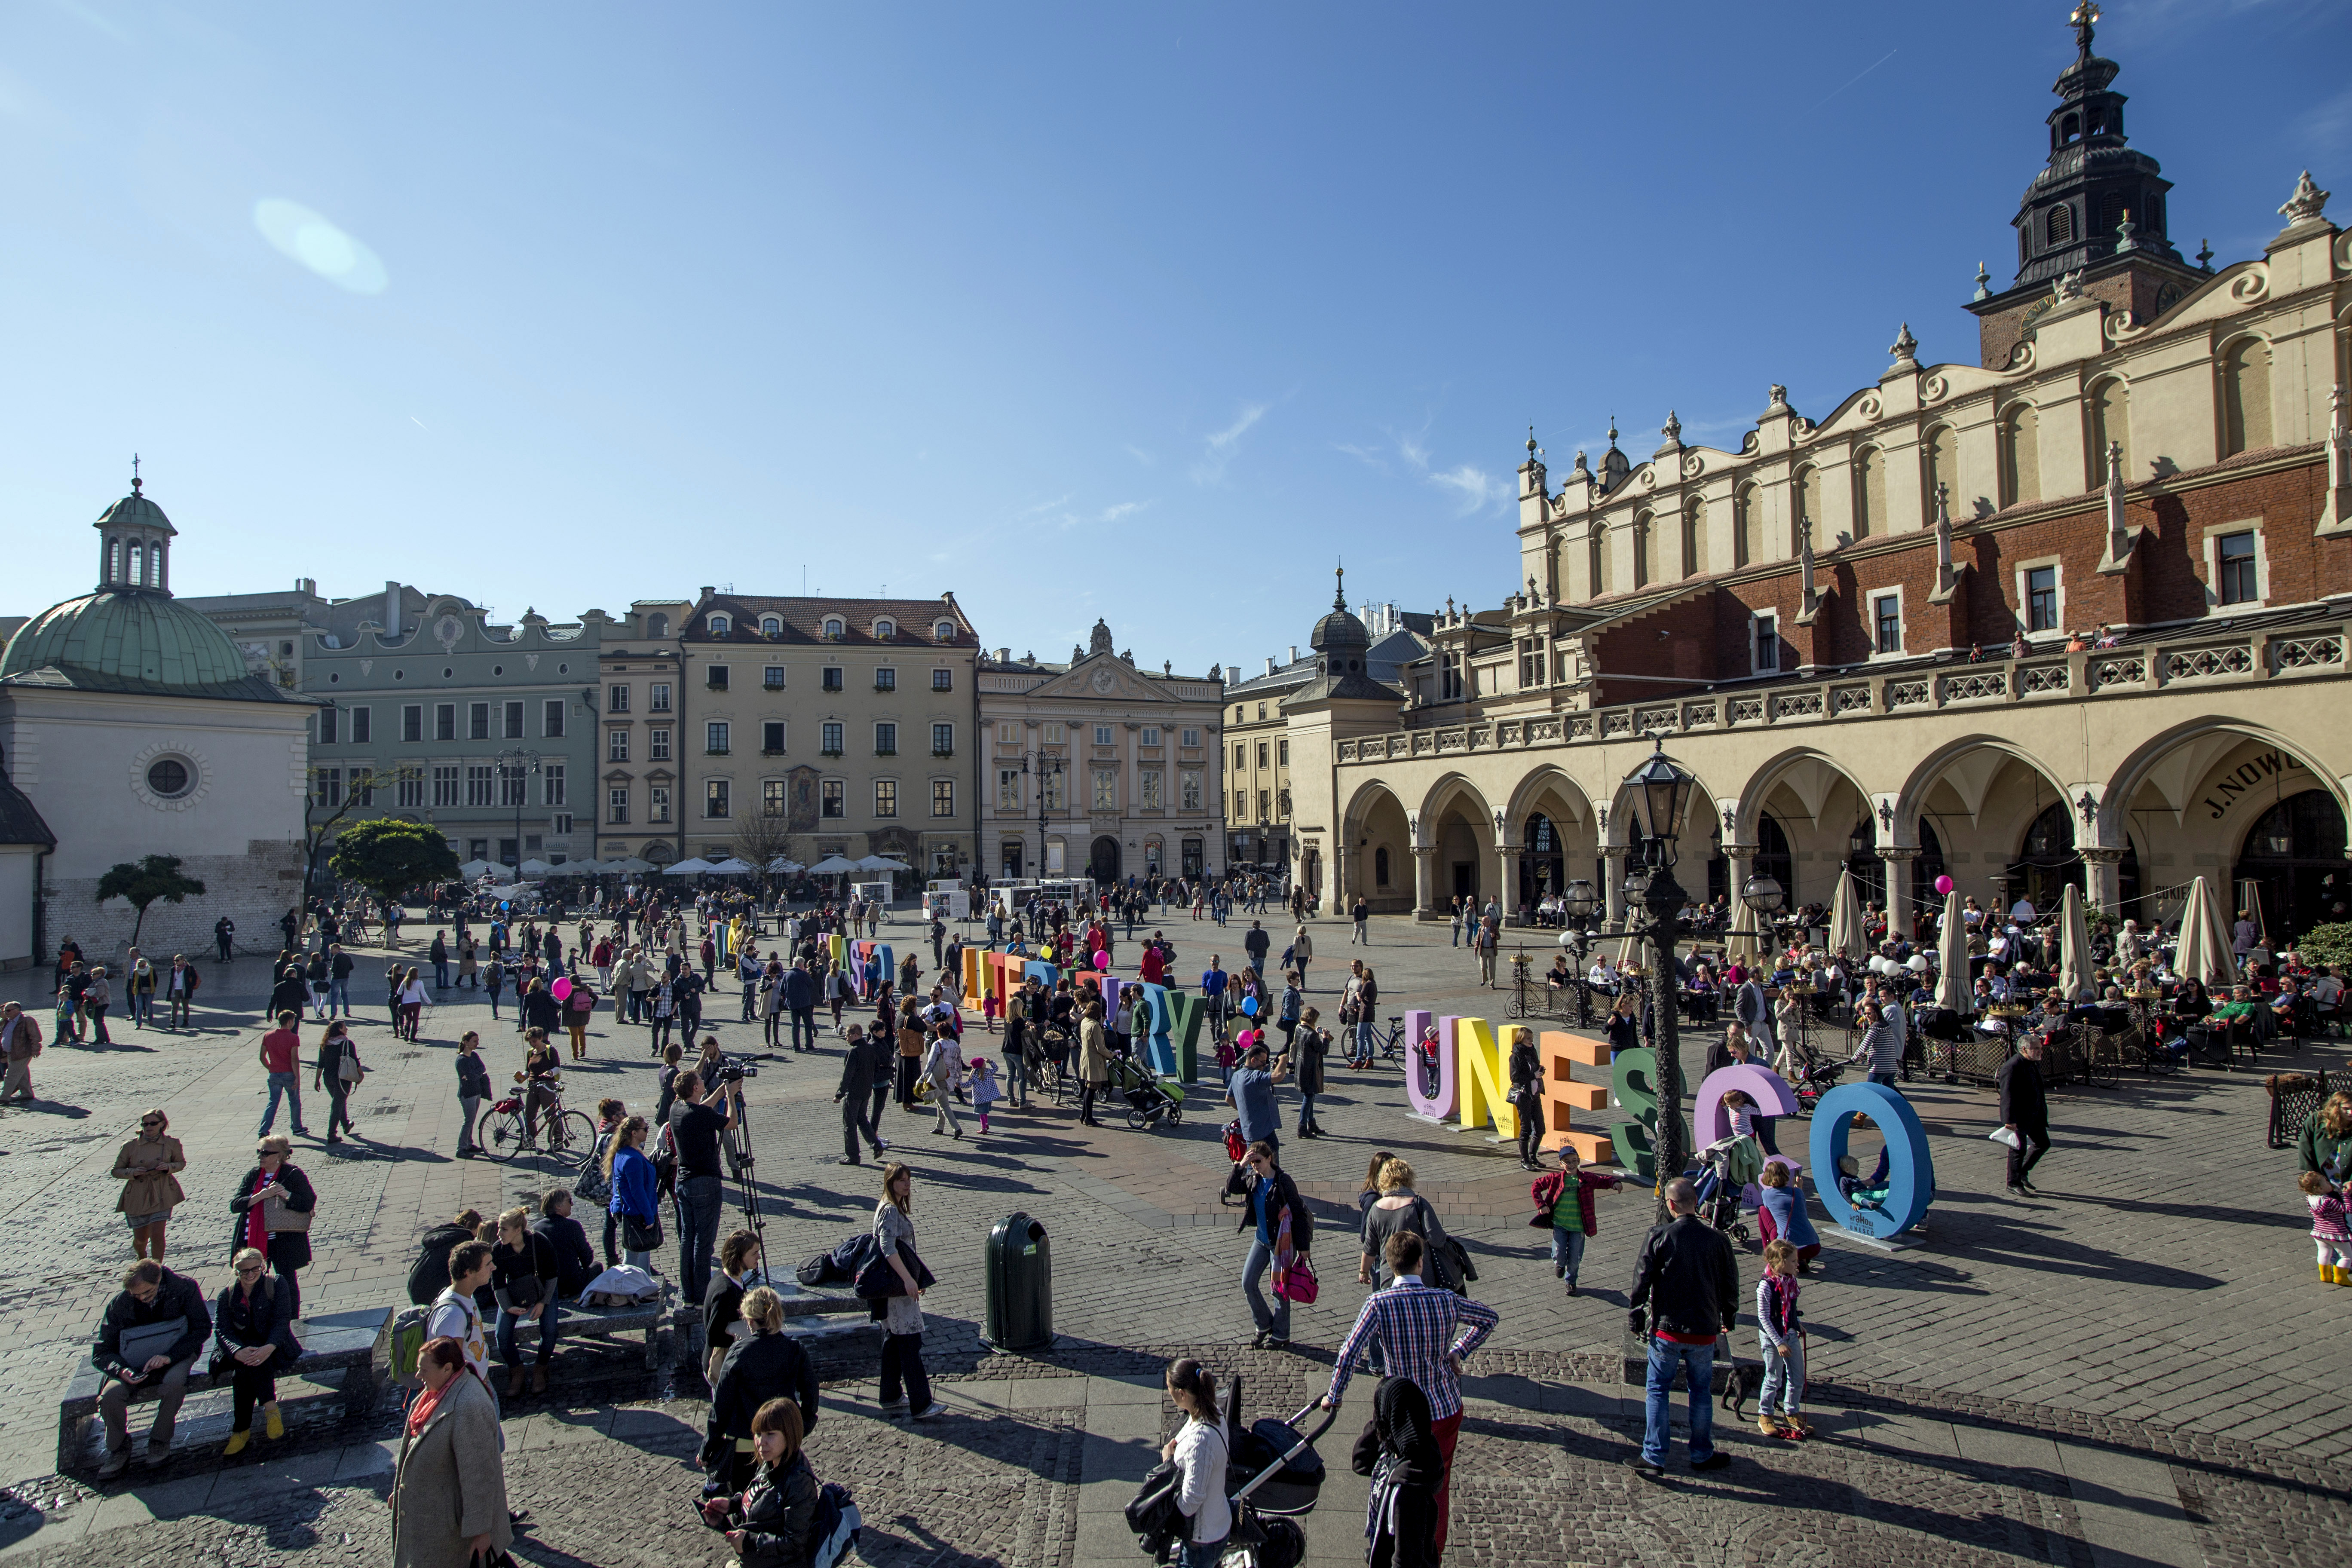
<point x="832" y="630"/>
<point x="1102" y="735"/>
<point x="1191" y="738"/>
<point x="482" y="785"/>
<point x="445" y="784"/>
<point x="886" y="739"/>
<point x="830" y="800"/>
<point x="552" y="785"/>
<point x="832" y="739"/>
<point x="1008" y="734"/>
<point x="721" y="626"/>
<point x="1150" y="736"/>
<point x="513" y="721"/>
<point x="1148" y="791"/>
<point x="884" y="630"/>
<point x="943" y="681"/>
<point x="657" y="698"/>
<point x="1765" y="645"/>
<point x="411" y="795"/>
<point x="1106" y="797"/>
<point x="772" y="626"/>
<point x="2041" y="595"/>
<point x="657" y="803"/>
<point x="616" y="699"/>
<point x="945" y="631"/>
<point x="715" y="737"/>
<point x="411" y="723"/>
<point x="2235" y="564"/>
<point x="658" y="744"/>
<point x="616" y="804"/>
<point x="1887" y="622"/>
<point x="773" y="677"/>
<point x="1053" y="734"/>
<point x="1189" y="781"/>
<point x="1008" y="789"/>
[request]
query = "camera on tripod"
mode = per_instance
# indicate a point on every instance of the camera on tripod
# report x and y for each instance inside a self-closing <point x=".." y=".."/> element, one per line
<point x="730" y="1070"/>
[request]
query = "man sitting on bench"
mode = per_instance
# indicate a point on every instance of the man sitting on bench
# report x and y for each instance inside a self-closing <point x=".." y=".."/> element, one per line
<point x="149" y="1339"/>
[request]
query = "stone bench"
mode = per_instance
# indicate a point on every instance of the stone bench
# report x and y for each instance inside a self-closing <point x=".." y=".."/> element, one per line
<point x="347" y="1350"/>
<point x="837" y="1329"/>
<point x="662" y="1322"/>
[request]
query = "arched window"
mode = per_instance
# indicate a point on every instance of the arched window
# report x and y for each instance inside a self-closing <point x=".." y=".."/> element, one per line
<point x="2294" y="855"/>
<point x="2070" y="128"/>
<point x="1869" y="492"/>
<point x="945" y="631"/>
<point x="885" y="630"/>
<point x="721" y="626"/>
<point x="656" y="625"/>
<point x="114" y="560"/>
<point x="2246" y="397"/>
<point x="2046" y="861"/>
<point x="1641" y="550"/>
<point x="2021" y="455"/>
<point x="2061" y="228"/>
<point x="1380" y="867"/>
<point x="772" y="626"/>
<point x="2114" y="209"/>
<point x="1807" y="493"/>
<point x="138" y="573"/>
<point x="1694" y="539"/>
<point x="1596" y="564"/>
<point x="1944" y="468"/>
<point x="2110" y="421"/>
<point x="1744" y="529"/>
<point x="833" y="626"/>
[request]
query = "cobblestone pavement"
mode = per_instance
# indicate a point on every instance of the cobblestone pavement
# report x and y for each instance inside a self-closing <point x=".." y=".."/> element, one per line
<point x="2119" y="1372"/>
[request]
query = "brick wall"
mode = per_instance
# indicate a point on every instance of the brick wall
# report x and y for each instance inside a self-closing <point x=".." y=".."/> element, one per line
<point x="1707" y="636"/>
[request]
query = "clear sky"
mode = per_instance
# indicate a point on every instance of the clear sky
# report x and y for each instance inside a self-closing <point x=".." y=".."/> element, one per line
<point x="1148" y="312"/>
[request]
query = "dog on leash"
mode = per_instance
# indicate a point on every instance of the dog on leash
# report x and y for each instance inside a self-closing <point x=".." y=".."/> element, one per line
<point x="1742" y="1380"/>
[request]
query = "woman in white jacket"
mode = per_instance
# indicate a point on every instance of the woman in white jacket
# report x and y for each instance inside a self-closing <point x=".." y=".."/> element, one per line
<point x="1199" y="1452"/>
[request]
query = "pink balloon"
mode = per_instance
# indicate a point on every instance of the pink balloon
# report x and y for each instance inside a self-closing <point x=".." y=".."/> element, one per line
<point x="1102" y="960"/>
<point x="560" y="989"/>
<point x="1943" y="884"/>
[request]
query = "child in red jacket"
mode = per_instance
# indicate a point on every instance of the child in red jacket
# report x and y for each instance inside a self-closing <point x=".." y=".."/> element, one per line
<point x="1569" y="1210"/>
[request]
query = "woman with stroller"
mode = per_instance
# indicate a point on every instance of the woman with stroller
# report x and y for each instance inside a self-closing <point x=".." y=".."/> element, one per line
<point x="1199" y="1454"/>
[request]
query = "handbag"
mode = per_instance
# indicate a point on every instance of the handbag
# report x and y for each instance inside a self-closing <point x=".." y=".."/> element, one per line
<point x="641" y="1235"/>
<point x="1297" y="1283"/>
<point x="348" y="1069"/>
<point x="277" y="1217"/>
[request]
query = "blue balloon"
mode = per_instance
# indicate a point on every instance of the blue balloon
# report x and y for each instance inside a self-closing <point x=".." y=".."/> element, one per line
<point x="1249" y="1006"/>
<point x="1910" y="1169"/>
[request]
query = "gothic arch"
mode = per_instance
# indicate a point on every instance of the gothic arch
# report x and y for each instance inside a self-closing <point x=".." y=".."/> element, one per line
<point x="1543" y="781"/>
<point x="1930" y="770"/>
<point x="2124" y="784"/>
<point x="1450" y="790"/>
<point x="1811" y="774"/>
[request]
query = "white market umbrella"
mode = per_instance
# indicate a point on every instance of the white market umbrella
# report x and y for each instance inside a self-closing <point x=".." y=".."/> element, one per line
<point x="731" y="867"/>
<point x="473" y="869"/>
<point x="1847" y="938"/>
<point x="1953" y="989"/>
<point x="536" y="867"/>
<point x="2073" y="945"/>
<point x="692" y="866"/>
<point x="785" y="866"/>
<point x="834" y="866"/>
<point x="2204" y="952"/>
<point x="884" y="863"/>
<point x="632" y="863"/>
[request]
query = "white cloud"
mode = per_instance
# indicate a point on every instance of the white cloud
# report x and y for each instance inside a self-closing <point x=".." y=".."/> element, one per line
<point x="1125" y="508"/>
<point x="1219" y="451"/>
<point x="1477" y="488"/>
<point x="1138" y="454"/>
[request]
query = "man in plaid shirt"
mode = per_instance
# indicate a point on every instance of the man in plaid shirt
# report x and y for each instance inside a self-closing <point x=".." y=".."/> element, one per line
<point x="1424" y="1333"/>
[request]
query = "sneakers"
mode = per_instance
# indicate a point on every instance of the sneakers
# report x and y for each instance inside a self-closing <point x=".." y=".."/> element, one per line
<point x="936" y="1410"/>
<point x="1642" y="1466"/>
<point x="116" y="1460"/>
<point x="849" y="1160"/>
<point x="158" y="1455"/>
<point x="236" y="1442"/>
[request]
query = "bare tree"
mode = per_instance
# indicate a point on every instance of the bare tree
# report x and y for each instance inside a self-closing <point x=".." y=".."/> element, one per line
<point x="760" y="838"/>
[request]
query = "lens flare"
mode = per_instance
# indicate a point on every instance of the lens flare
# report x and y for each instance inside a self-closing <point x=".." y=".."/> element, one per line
<point x="305" y="237"/>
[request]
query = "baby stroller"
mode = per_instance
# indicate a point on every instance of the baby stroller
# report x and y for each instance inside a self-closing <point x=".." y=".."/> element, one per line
<point x="1274" y="1474"/>
<point x="1722" y="1174"/>
<point x="1150" y="1097"/>
<point x="1815" y="1077"/>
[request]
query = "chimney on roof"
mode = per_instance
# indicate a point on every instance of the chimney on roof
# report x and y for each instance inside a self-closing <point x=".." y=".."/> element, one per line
<point x="307" y="585"/>
<point x="1004" y="656"/>
<point x="1269" y="664"/>
<point x="706" y="590"/>
<point x="1293" y="653"/>
<point x="392" y="610"/>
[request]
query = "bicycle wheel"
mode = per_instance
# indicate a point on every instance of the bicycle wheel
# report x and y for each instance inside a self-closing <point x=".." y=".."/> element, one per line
<point x="572" y="1137"/>
<point x="505" y="1136"/>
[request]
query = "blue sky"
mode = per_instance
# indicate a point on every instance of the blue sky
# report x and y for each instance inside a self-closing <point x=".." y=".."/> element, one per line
<point x="1143" y="311"/>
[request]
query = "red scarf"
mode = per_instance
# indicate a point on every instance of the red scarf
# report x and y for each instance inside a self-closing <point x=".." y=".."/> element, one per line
<point x="257" y="1233"/>
<point x="421" y="1413"/>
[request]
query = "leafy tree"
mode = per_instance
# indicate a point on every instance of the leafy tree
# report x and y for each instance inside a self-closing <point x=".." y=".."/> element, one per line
<point x="2330" y="943"/>
<point x="388" y="856"/>
<point x="154" y="877"/>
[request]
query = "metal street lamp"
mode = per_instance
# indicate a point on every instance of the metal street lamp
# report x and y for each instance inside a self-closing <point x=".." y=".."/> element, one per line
<point x="1047" y="766"/>
<point x="516" y="764"/>
<point x="1580" y="902"/>
<point x="1660" y="791"/>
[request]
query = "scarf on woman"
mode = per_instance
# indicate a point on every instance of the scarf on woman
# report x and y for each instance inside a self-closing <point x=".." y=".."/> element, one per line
<point x="420" y="1414"/>
<point x="257" y="1227"/>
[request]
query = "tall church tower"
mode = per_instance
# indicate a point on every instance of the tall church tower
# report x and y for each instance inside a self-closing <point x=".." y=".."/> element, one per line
<point x="2096" y="208"/>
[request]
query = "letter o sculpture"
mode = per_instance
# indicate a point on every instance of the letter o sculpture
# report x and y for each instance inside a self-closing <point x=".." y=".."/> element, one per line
<point x="1910" y="1169"/>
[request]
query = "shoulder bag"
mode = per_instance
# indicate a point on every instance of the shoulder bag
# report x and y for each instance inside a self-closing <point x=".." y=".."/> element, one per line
<point x="641" y="1235"/>
<point x="878" y="1282"/>
<point x="138" y="1345"/>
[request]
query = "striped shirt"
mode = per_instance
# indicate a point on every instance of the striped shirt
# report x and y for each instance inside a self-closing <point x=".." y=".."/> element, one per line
<point x="1418" y="1328"/>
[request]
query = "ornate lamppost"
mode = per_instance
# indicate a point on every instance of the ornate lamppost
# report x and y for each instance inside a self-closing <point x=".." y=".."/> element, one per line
<point x="1580" y="902"/>
<point x="1045" y="767"/>
<point x="1660" y="791"/>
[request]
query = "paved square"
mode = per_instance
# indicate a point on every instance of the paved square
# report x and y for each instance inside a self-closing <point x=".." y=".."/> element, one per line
<point x="2133" y="1368"/>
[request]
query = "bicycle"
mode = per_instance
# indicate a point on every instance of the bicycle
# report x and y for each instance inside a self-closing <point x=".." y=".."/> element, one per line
<point x="571" y="1134"/>
<point x="1391" y="1045"/>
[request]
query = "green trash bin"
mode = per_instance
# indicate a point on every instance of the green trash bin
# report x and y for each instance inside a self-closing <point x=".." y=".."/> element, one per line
<point x="1020" y="1309"/>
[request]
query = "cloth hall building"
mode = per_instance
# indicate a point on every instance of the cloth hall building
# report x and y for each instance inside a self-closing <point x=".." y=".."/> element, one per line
<point x="2077" y="611"/>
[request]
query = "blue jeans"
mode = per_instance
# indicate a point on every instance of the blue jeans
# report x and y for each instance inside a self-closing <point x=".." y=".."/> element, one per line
<point x="441" y="974"/>
<point x="1274" y="1319"/>
<point x="508" y="1323"/>
<point x="288" y="1084"/>
<point x="698" y="1231"/>
<point x="1699" y="1362"/>
<point x="1201" y="1553"/>
<point x="1784" y="1378"/>
<point x="1885" y="1078"/>
<point x="1568" y="1248"/>
<point x="1367" y="1044"/>
<point x="339" y="994"/>
<point x="1306" y="1112"/>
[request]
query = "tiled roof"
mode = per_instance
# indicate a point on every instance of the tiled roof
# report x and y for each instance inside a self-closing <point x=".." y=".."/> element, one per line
<point x="804" y="621"/>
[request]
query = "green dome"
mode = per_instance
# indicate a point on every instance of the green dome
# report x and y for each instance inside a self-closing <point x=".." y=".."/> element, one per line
<point x="129" y="634"/>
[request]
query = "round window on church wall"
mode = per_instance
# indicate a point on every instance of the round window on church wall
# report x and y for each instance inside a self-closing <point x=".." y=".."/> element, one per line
<point x="169" y="777"/>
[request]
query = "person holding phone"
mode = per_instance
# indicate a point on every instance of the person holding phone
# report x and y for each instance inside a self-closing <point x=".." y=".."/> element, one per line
<point x="148" y="1338"/>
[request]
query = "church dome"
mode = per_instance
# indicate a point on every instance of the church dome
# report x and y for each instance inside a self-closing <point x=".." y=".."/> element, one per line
<point x="130" y="633"/>
<point x="1341" y="632"/>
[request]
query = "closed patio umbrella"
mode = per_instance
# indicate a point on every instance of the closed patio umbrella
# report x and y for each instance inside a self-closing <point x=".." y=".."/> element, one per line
<point x="1954" y="988"/>
<point x="2204" y="951"/>
<point x="1846" y="935"/>
<point x="2073" y="945"/>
